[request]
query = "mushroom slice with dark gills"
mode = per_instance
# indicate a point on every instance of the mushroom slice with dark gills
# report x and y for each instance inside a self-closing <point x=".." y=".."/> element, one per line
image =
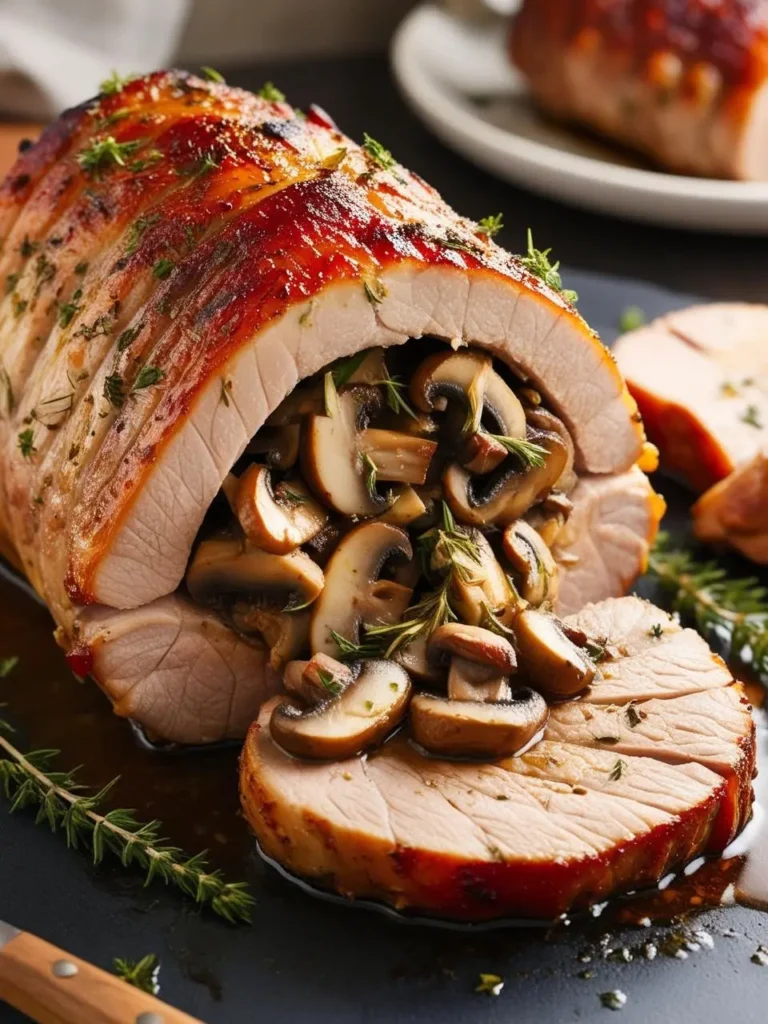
<point x="480" y="661"/>
<point x="353" y="592"/>
<point x="536" y="571"/>
<point x="513" y="489"/>
<point x="224" y="568"/>
<point x="361" y="713"/>
<point x="278" y="519"/>
<point x="547" y="658"/>
<point x="342" y="460"/>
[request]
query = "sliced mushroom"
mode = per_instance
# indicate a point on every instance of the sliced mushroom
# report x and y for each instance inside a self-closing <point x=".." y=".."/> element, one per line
<point x="286" y="634"/>
<point x="484" y="589"/>
<point x="550" y="516"/>
<point x="397" y="457"/>
<point x="547" y="658"/>
<point x="465" y="728"/>
<point x="278" y="520"/>
<point x="227" y="567"/>
<point x="542" y="419"/>
<point x="301" y="402"/>
<point x="468" y="376"/>
<point x="511" y="493"/>
<point x="318" y="679"/>
<point x="482" y="453"/>
<point x="331" y="457"/>
<point x="353" y="592"/>
<point x="362" y="715"/>
<point x="481" y="661"/>
<point x="279" y="446"/>
<point x="415" y="659"/>
<point x="536" y="570"/>
<point x="406" y="507"/>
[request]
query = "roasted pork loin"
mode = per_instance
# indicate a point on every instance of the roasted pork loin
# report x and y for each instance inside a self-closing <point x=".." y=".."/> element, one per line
<point x="651" y="768"/>
<point x="177" y="256"/>
<point x="700" y="378"/>
<point x="684" y="82"/>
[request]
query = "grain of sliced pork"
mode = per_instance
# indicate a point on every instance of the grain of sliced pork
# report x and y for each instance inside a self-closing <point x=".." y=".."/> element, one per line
<point x="571" y="821"/>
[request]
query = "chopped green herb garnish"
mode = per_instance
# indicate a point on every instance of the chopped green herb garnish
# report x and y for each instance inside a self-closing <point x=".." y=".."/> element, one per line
<point x="28" y="248"/>
<point x="491" y="984"/>
<point x="378" y="153"/>
<point x="529" y="453"/>
<point x="368" y="705"/>
<point x="212" y="75"/>
<point x="114" y="390"/>
<point x="148" y="377"/>
<point x="393" y="390"/>
<point x="163" y="268"/>
<point x="537" y="262"/>
<point x="330" y="395"/>
<point x="634" y="717"/>
<point x="10" y="282"/>
<point x="631" y="318"/>
<point x="81" y="268"/>
<point x="618" y="771"/>
<point x="128" y="336"/>
<point x="292" y="497"/>
<point x="345" y="369"/>
<point x="7" y="665"/>
<point x="26" y="442"/>
<point x="331" y="684"/>
<point x="143" y="974"/>
<point x="490" y="226"/>
<point x="656" y="630"/>
<point x="370" y="471"/>
<point x="394" y="687"/>
<point x="375" y="293"/>
<point x="270" y="92"/>
<point x="751" y="416"/>
<point x="137" y="229"/>
<point x="115" y="83"/>
<point x="105" y="153"/>
<point x="69" y="310"/>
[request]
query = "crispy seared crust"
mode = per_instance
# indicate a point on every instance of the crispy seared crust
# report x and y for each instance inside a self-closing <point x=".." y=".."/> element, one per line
<point x="257" y="214"/>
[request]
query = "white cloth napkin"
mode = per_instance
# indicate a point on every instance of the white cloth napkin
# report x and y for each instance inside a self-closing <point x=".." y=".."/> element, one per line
<point x="54" y="53"/>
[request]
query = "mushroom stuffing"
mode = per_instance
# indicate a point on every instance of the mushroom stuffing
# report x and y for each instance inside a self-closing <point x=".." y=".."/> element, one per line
<point x="391" y="527"/>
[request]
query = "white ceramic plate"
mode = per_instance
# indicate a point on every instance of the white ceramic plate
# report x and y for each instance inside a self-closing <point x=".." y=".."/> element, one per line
<point x="457" y="78"/>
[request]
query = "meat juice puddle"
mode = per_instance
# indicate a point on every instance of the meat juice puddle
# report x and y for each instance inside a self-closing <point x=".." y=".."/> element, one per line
<point x="195" y="793"/>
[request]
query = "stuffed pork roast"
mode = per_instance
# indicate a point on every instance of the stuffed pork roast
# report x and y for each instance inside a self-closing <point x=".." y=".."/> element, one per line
<point x="700" y="378"/>
<point x="229" y="336"/>
<point x="683" y="81"/>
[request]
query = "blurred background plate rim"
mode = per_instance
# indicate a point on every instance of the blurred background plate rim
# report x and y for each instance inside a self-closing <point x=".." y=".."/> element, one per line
<point x="635" y="193"/>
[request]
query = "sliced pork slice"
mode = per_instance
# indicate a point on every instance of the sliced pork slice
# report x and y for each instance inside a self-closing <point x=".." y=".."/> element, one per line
<point x="604" y="546"/>
<point x="684" y="83"/>
<point x="570" y="822"/>
<point x="176" y="669"/>
<point x="700" y="378"/>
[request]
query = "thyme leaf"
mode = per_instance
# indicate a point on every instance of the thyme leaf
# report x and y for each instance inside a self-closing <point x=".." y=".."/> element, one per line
<point x="538" y="263"/>
<point x="751" y="416"/>
<point x="528" y="452"/>
<point x="490" y="226"/>
<point x="377" y="153"/>
<point x="270" y="92"/>
<point x="69" y="310"/>
<point x="394" y="389"/>
<point x="28" y="780"/>
<point x="162" y="269"/>
<point x="331" y="684"/>
<point x="148" y="377"/>
<point x="142" y="974"/>
<point x="370" y="471"/>
<point x="104" y="153"/>
<point x="212" y="75"/>
<point x="115" y="83"/>
<point x="26" y="443"/>
<point x="346" y="368"/>
<point x="619" y="770"/>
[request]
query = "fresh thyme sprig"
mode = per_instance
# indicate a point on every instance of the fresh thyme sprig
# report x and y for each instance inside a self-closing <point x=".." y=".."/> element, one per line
<point x="733" y="612"/>
<point x="431" y="612"/>
<point x="528" y="452"/>
<point x="537" y="261"/>
<point x="393" y="390"/>
<point x="370" y="472"/>
<point x="491" y="225"/>
<point x="378" y="153"/>
<point x="106" y="152"/>
<point x="142" y="974"/>
<point x="63" y="802"/>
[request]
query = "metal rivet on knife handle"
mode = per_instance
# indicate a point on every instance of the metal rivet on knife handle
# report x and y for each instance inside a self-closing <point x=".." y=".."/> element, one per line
<point x="64" y="969"/>
<point x="150" y="1017"/>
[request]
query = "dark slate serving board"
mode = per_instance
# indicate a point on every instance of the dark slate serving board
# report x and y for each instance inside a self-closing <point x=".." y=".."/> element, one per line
<point x="308" y="961"/>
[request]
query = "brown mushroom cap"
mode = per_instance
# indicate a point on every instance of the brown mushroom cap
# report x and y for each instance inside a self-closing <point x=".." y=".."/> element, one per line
<point x="276" y="520"/>
<point x="406" y="507"/>
<point x="318" y="679"/>
<point x="511" y="493"/>
<point x="223" y="567"/>
<point x="354" y="593"/>
<point x="331" y="456"/>
<point x="362" y="715"/>
<point x="538" y="572"/>
<point x="403" y="458"/>
<point x="463" y="728"/>
<point x="485" y="590"/>
<point x="547" y="658"/>
<point x="475" y="644"/>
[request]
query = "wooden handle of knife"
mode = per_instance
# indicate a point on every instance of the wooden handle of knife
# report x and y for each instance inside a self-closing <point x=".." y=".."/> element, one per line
<point x="52" y="987"/>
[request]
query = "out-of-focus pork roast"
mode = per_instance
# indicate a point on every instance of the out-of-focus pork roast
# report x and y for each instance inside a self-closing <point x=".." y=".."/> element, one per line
<point x="700" y="378"/>
<point x="682" y="81"/>
<point x="176" y="256"/>
<point x="651" y="768"/>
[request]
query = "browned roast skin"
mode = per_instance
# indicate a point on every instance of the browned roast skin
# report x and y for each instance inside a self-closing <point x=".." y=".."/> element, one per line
<point x="651" y="768"/>
<point x="683" y="81"/>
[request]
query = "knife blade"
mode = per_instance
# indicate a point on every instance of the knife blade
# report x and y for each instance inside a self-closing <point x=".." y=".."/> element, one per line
<point x="7" y="932"/>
